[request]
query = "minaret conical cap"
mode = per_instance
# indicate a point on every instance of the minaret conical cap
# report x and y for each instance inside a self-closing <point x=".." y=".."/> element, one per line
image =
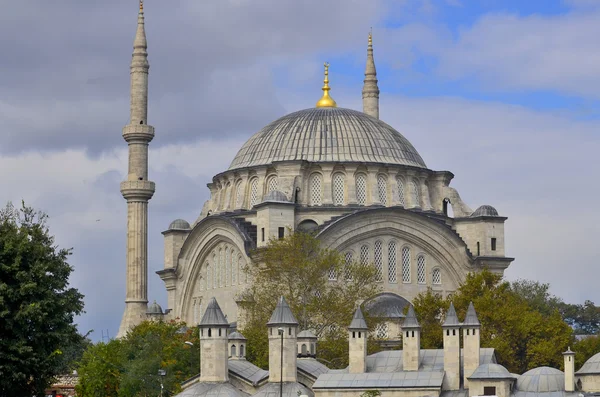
<point x="282" y="315"/>
<point x="411" y="319"/>
<point x="358" y="321"/>
<point x="213" y="315"/>
<point x="451" y="320"/>
<point x="326" y="101"/>
<point x="140" y="35"/>
<point x="471" y="319"/>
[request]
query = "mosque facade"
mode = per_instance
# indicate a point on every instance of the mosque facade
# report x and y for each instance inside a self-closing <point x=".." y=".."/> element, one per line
<point x="345" y="175"/>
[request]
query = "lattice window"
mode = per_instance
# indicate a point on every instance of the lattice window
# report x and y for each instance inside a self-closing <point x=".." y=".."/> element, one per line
<point x="436" y="276"/>
<point x="392" y="262"/>
<point x="221" y="268"/>
<point x="406" y="265"/>
<point x="227" y="196"/>
<point x="215" y="271"/>
<point x="382" y="331"/>
<point x="421" y="269"/>
<point x="338" y="189"/>
<point x="227" y="267"/>
<point x="203" y="276"/>
<point x="361" y="189"/>
<point x="318" y="294"/>
<point x="272" y="184"/>
<point x="233" y="267"/>
<point x="382" y="189"/>
<point x="416" y="194"/>
<point x="378" y="260"/>
<point x="239" y="195"/>
<point x="332" y="274"/>
<point x="364" y="254"/>
<point x="400" y="192"/>
<point x="348" y="262"/>
<point x="315" y="189"/>
<point x="254" y="192"/>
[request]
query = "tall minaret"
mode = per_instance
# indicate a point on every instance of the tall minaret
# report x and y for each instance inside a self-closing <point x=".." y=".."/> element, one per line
<point x="370" y="91"/>
<point x="137" y="189"/>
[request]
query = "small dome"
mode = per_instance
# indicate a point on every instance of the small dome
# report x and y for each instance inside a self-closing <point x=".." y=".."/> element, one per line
<point x="276" y="196"/>
<point x="306" y="334"/>
<point x="541" y="380"/>
<point x="179" y="224"/>
<point x="236" y="336"/>
<point x="491" y="371"/>
<point x="154" y="308"/>
<point x="591" y="366"/>
<point x="485" y="210"/>
<point x="386" y="305"/>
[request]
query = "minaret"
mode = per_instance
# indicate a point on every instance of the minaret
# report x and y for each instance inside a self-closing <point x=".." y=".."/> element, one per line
<point x="370" y="91"/>
<point x="471" y="344"/>
<point x="357" y="340"/>
<point x="137" y="189"/>
<point x="283" y="328"/>
<point x="214" y="365"/>
<point x="411" y="341"/>
<point x="451" y="330"/>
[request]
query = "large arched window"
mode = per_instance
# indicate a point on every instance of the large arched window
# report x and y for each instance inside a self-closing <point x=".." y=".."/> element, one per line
<point x="392" y="262"/>
<point x="227" y="267"/>
<point x="316" y="190"/>
<point x="272" y="183"/>
<point x="400" y="191"/>
<point x="348" y="262"/>
<point x="421" y="271"/>
<point x="364" y="254"/>
<point x="436" y="276"/>
<point x="239" y="195"/>
<point x="382" y="189"/>
<point x="416" y="194"/>
<point x="339" y="189"/>
<point x="233" y="266"/>
<point x="378" y="256"/>
<point x="254" y="192"/>
<point x="406" y="265"/>
<point x="361" y="189"/>
<point x="208" y="277"/>
<point x="215" y="283"/>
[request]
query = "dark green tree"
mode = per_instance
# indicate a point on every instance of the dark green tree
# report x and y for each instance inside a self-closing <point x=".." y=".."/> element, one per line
<point x="37" y="306"/>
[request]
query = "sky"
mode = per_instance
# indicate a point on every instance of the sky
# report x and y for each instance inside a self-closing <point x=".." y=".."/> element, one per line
<point x="503" y="93"/>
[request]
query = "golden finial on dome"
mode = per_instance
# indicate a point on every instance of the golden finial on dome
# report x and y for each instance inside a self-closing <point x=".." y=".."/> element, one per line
<point x="326" y="101"/>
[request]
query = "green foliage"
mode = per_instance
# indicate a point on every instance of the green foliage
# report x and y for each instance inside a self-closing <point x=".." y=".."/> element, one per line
<point x="371" y="393"/>
<point x="37" y="306"/>
<point x="585" y="348"/>
<point x="129" y="367"/>
<point x="298" y="267"/>
<point x="524" y="335"/>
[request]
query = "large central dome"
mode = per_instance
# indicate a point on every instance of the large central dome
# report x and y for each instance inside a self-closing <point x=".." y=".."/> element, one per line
<point x="327" y="135"/>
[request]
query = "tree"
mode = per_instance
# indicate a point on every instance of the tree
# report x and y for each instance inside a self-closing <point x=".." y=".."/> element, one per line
<point x="37" y="306"/>
<point x="303" y="271"/>
<point x="585" y="348"/>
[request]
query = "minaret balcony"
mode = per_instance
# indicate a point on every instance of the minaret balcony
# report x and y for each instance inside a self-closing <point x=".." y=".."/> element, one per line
<point x="138" y="133"/>
<point x="138" y="190"/>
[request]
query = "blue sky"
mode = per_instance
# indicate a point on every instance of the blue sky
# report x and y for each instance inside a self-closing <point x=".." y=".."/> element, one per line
<point x="503" y="93"/>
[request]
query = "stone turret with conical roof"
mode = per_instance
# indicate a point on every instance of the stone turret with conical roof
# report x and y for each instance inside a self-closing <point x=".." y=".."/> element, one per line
<point x="471" y="341"/>
<point x="451" y="330"/>
<point x="411" y="341"/>
<point x="283" y="330"/>
<point x="357" y="343"/>
<point x="237" y="346"/>
<point x="213" y="344"/>
<point x="370" y="91"/>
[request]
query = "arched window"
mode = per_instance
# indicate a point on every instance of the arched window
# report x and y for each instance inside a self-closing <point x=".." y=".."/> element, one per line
<point x="381" y="331"/>
<point x="406" y="265"/>
<point x="392" y="262"/>
<point x="421" y="271"/>
<point x="364" y="254"/>
<point x="227" y="196"/>
<point x="239" y="195"/>
<point x="233" y="352"/>
<point x="315" y="189"/>
<point x="348" y="262"/>
<point x="416" y="194"/>
<point x="400" y="191"/>
<point x="208" y="277"/>
<point x="382" y="189"/>
<point x="338" y="189"/>
<point x="203" y="276"/>
<point x="227" y="267"/>
<point x="303" y="349"/>
<point x="215" y="283"/>
<point x="436" y="276"/>
<point x="361" y="189"/>
<point x="241" y="350"/>
<point x="312" y="349"/>
<point x="272" y="183"/>
<point x="378" y="260"/>
<point x="233" y="267"/>
<point x="254" y="192"/>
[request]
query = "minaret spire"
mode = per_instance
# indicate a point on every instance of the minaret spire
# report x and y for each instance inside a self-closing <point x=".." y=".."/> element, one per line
<point x="137" y="189"/>
<point x="370" y="91"/>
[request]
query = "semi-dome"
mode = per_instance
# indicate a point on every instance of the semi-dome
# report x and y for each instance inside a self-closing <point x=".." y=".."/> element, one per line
<point x="541" y="380"/>
<point x="387" y="305"/>
<point x="306" y="334"/>
<point x="236" y="336"/>
<point x="485" y="210"/>
<point x="591" y="366"/>
<point x="327" y="134"/>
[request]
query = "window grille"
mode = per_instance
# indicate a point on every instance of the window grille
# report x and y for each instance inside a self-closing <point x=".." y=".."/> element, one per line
<point x="315" y="189"/>
<point x="382" y="189"/>
<point x="253" y="192"/>
<point x="215" y="271"/>
<point x="421" y="269"/>
<point x="234" y="268"/>
<point x="227" y="267"/>
<point x="364" y="254"/>
<point x="361" y="189"/>
<point x="348" y="258"/>
<point x="338" y="189"/>
<point x="332" y="274"/>
<point x="378" y="261"/>
<point x="208" y="277"/>
<point x="203" y="276"/>
<point x="400" y="193"/>
<point x="273" y="183"/>
<point x="221" y="268"/>
<point x="406" y="265"/>
<point x="392" y="262"/>
<point x="239" y="195"/>
<point x="436" y="276"/>
<point x="318" y="294"/>
<point x="381" y="331"/>
<point x="416" y="194"/>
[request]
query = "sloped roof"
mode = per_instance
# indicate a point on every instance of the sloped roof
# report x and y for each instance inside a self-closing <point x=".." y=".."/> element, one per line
<point x="312" y="367"/>
<point x="290" y="389"/>
<point x="471" y="317"/>
<point x="411" y="319"/>
<point x="451" y="320"/>
<point x="282" y="315"/>
<point x="213" y="315"/>
<point x="248" y="371"/>
<point x="205" y="389"/>
<point x="412" y="379"/>
<point x="306" y="334"/>
<point x="358" y="321"/>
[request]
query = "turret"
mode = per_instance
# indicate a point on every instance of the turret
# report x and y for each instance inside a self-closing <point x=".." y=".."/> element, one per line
<point x="307" y="344"/>
<point x="274" y="217"/>
<point x="283" y="328"/>
<point x="237" y="346"/>
<point x="451" y="330"/>
<point x="357" y="343"/>
<point x="569" y="357"/>
<point x="213" y="344"/>
<point x="471" y="341"/>
<point x="411" y="341"/>
<point x="370" y="91"/>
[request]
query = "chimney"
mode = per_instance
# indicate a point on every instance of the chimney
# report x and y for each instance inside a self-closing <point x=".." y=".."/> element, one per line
<point x="283" y="328"/>
<point x="357" y="343"/>
<point x="213" y="344"/>
<point x="411" y="341"/>
<point x="471" y="340"/>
